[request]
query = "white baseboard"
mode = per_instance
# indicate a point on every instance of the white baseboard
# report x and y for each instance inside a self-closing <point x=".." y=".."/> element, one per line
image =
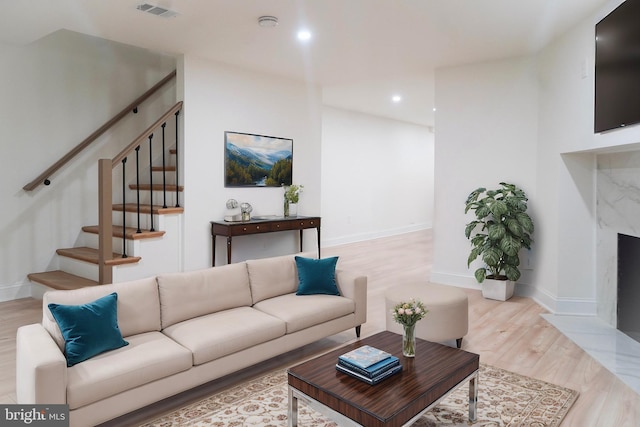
<point x="577" y="307"/>
<point x="354" y="238"/>
<point x="552" y="303"/>
<point x="15" y="291"/>
<point x="458" y="280"/>
<point x="38" y="290"/>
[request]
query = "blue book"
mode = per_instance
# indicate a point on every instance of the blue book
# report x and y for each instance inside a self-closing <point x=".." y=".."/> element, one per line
<point x="364" y="357"/>
<point x="368" y="380"/>
<point x="373" y="370"/>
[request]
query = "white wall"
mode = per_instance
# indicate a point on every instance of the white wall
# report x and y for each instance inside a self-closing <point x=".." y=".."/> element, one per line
<point x="566" y="234"/>
<point x="567" y="146"/>
<point x="68" y="84"/>
<point x="486" y="133"/>
<point x="550" y="97"/>
<point x="377" y="176"/>
<point x="221" y="98"/>
<point x="57" y="91"/>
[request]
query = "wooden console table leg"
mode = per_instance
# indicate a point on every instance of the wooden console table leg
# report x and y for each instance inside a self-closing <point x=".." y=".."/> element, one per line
<point x="229" y="250"/>
<point x="319" y="242"/>
<point x="213" y="250"/>
<point x="301" y="230"/>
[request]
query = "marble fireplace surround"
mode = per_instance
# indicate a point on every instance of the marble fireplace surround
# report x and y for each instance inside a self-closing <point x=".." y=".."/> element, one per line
<point x="617" y="211"/>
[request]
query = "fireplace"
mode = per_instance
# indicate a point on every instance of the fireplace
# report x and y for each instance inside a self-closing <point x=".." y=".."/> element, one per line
<point x="628" y="308"/>
<point x="617" y="220"/>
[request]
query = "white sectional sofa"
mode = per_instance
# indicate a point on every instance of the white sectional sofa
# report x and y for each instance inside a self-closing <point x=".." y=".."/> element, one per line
<point x="183" y="330"/>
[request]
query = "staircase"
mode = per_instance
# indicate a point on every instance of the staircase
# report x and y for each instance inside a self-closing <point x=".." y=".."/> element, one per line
<point x="80" y="266"/>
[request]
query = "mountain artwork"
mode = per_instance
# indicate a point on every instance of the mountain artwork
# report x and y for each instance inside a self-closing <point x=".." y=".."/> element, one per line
<point x="257" y="160"/>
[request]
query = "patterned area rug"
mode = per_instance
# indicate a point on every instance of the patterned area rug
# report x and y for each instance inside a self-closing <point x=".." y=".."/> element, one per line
<point x="504" y="399"/>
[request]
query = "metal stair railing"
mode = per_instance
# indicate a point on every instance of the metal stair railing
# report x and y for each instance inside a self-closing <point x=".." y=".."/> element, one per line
<point x="105" y="191"/>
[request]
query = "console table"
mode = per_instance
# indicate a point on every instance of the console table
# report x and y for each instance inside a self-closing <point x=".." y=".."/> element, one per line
<point x="259" y="225"/>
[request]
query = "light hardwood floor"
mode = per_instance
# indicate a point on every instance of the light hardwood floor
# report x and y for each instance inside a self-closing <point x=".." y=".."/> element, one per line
<point x="510" y="335"/>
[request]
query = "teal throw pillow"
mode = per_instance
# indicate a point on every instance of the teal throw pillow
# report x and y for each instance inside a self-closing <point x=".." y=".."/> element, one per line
<point x="89" y="329"/>
<point x="317" y="276"/>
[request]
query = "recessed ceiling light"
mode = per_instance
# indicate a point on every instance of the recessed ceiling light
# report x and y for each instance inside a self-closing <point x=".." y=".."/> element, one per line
<point x="304" y="35"/>
<point x="396" y="98"/>
<point x="268" y="21"/>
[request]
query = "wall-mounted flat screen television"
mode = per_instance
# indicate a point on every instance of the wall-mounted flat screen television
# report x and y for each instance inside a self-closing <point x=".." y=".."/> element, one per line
<point x="617" y="68"/>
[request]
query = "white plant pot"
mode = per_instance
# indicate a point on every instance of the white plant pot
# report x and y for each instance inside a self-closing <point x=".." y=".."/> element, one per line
<point x="500" y="290"/>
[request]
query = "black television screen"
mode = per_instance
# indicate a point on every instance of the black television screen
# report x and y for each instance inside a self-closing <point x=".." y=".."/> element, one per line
<point x="617" y="68"/>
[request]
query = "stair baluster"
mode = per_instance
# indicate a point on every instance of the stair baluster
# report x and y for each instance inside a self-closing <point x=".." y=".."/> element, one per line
<point x="177" y="162"/>
<point x="124" y="209"/>
<point x="151" y="182"/>
<point x="103" y="256"/>
<point x="164" y="171"/>
<point x="138" y="187"/>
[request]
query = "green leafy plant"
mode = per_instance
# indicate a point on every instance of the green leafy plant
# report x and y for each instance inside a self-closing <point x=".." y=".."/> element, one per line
<point x="501" y="228"/>
<point x="292" y="193"/>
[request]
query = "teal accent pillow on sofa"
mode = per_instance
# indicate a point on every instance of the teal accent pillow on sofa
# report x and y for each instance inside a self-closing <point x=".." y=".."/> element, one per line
<point x="89" y="329"/>
<point x="317" y="276"/>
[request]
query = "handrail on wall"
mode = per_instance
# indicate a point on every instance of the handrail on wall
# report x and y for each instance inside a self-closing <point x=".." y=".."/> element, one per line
<point x="43" y="178"/>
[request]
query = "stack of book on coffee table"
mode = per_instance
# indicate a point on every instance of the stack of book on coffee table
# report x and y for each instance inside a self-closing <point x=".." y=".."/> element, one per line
<point x="368" y="364"/>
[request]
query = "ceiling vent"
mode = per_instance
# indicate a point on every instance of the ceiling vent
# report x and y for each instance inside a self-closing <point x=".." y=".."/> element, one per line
<point x="156" y="10"/>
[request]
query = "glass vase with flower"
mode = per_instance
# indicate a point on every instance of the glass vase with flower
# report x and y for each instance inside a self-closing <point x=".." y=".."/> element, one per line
<point x="408" y="314"/>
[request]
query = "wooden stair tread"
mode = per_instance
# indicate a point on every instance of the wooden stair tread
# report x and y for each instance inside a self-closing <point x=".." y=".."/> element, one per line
<point x="166" y="168"/>
<point x="156" y="187"/>
<point x="62" y="280"/>
<point x="131" y="232"/>
<point x="86" y="254"/>
<point x="146" y="209"/>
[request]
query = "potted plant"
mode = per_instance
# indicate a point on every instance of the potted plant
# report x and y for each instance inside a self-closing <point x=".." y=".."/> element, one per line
<point x="291" y="197"/>
<point x="501" y="228"/>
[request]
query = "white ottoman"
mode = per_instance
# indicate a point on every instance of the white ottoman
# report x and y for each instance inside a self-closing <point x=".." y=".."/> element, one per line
<point x="448" y="316"/>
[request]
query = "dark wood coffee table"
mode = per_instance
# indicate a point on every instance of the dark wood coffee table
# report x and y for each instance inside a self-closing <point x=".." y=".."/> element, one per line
<point x="397" y="401"/>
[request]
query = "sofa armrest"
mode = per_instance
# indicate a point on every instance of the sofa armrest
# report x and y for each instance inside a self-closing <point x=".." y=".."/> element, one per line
<point x="41" y="368"/>
<point x="354" y="286"/>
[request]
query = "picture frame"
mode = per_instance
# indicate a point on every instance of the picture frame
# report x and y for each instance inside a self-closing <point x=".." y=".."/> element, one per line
<point x="252" y="160"/>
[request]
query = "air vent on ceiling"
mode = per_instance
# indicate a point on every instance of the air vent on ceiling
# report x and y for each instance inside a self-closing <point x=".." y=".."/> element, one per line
<point x="156" y="10"/>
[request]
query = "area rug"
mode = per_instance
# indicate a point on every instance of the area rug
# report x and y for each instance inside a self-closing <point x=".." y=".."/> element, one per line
<point x="504" y="399"/>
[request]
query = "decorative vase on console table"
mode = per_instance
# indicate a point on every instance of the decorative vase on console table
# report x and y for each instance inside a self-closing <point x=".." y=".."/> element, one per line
<point x="408" y="314"/>
<point x="291" y="197"/>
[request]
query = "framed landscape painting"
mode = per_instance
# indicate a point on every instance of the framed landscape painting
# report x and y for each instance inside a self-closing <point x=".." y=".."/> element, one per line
<point x="257" y="160"/>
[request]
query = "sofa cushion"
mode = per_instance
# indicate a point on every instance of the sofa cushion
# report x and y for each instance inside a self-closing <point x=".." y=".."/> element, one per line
<point x="138" y="306"/>
<point x="301" y="312"/>
<point x="271" y="277"/>
<point x="192" y="294"/>
<point x="148" y="357"/>
<point x="88" y="329"/>
<point x="317" y="276"/>
<point x="219" y="334"/>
